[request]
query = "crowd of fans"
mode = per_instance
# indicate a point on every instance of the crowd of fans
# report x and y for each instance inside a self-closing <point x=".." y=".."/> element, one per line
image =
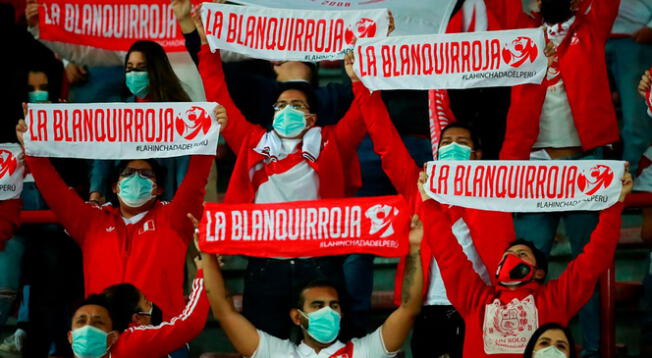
<point x="108" y="279"/>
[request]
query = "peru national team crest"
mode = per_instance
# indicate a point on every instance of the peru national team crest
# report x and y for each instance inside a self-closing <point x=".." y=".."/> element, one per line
<point x="519" y="51"/>
<point x="508" y="328"/>
<point x="12" y="171"/>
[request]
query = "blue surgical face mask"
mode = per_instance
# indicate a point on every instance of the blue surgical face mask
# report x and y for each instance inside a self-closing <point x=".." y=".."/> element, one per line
<point x="138" y="83"/>
<point x="38" y="96"/>
<point x="455" y="151"/>
<point x="89" y="342"/>
<point x="135" y="190"/>
<point x="289" y="122"/>
<point x="323" y="324"/>
<point x="549" y="352"/>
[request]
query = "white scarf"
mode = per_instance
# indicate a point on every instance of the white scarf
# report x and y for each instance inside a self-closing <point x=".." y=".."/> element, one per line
<point x="557" y="32"/>
<point x="271" y="145"/>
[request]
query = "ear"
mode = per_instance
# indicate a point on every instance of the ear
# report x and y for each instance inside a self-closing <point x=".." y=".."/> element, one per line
<point x="115" y="188"/>
<point x="112" y="338"/>
<point x="158" y="190"/>
<point x="539" y="274"/>
<point x="70" y="337"/>
<point x="311" y="120"/>
<point x="139" y="320"/>
<point x="476" y="155"/>
<point x="295" y="316"/>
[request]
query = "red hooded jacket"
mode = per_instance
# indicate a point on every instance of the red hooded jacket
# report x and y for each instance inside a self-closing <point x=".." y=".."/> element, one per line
<point x="499" y="320"/>
<point x="338" y="167"/>
<point x="159" y="341"/>
<point x="582" y="65"/>
<point x="149" y="254"/>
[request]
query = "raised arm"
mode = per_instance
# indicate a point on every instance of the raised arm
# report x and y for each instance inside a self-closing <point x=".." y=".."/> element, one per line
<point x="398" y="325"/>
<point x="464" y="288"/>
<point x="576" y="285"/>
<point x="190" y="195"/>
<point x="395" y="158"/>
<point x="161" y="340"/>
<point x="212" y="74"/>
<point x="601" y="14"/>
<point x="242" y="334"/>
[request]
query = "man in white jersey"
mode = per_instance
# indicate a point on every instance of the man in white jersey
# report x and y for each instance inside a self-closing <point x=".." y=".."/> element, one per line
<point x="318" y="313"/>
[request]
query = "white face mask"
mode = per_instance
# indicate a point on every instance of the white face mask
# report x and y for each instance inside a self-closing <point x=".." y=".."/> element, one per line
<point x="550" y="352"/>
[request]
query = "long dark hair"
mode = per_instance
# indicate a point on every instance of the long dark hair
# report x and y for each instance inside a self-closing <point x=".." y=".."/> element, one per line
<point x="529" y="349"/>
<point x="164" y="85"/>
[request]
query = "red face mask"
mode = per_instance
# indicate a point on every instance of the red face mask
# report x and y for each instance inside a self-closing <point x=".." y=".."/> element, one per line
<point x="514" y="271"/>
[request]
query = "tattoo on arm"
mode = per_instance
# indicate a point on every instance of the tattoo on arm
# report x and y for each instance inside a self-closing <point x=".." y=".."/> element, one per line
<point x="408" y="278"/>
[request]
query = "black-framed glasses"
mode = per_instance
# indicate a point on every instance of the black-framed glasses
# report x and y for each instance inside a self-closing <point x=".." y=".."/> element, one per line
<point x="147" y="173"/>
<point x="293" y="104"/>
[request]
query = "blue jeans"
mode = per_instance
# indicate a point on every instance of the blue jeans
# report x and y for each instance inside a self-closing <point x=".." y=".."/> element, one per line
<point x="540" y="229"/>
<point x="10" y="262"/>
<point x="626" y="62"/>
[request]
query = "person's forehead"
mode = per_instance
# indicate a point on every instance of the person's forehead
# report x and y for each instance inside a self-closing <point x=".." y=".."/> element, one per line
<point x="292" y="95"/>
<point x="457" y="132"/>
<point x="139" y="164"/>
<point x="326" y="294"/>
<point x="37" y="76"/>
<point x="520" y="248"/>
<point x="136" y="56"/>
<point x="554" y="335"/>
<point x="92" y="311"/>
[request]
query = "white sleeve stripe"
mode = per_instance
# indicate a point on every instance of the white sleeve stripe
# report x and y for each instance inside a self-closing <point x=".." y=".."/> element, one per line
<point x="197" y="288"/>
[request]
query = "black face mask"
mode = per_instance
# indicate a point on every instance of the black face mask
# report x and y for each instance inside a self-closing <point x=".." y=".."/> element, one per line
<point x="157" y="315"/>
<point x="555" y="11"/>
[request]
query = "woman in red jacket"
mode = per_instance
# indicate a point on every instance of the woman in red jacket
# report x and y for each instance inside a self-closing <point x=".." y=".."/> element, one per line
<point x="143" y="240"/>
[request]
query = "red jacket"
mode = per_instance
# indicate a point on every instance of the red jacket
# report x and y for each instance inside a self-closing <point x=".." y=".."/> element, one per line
<point x="584" y="72"/>
<point x="338" y="167"/>
<point x="159" y="341"/>
<point x="492" y="230"/>
<point x="9" y="219"/>
<point x="149" y="254"/>
<point x="498" y="317"/>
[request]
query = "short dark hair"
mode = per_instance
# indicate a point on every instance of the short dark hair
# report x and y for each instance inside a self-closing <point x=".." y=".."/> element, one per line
<point x="529" y="349"/>
<point x="159" y="171"/>
<point x="304" y="88"/>
<point x="556" y="11"/>
<point x="123" y="299"/>
<point x="96" y="300"/>
<point x="300" y="299"/>
<point x="539" y="256"/>
<point x="477" y="144"/>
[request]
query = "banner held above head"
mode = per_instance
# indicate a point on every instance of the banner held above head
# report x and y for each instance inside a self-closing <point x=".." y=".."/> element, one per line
<point x="289" y="35"/>
<point x="373" y="225"/>
<point x="121" y="130"/>
<point x="412" y="17"/>
<point x="526" y="186"/>
<point x="452" y="61"/>
<point x="12" y="170"/>
<point x="110" y="24"/>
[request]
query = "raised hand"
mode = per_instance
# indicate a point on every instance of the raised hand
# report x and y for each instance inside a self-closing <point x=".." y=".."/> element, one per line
<point x="349" y="59"/>
<point x="644" y="85"/>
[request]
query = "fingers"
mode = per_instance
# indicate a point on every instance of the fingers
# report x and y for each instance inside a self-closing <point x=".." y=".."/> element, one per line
<point x="193" y="219"/>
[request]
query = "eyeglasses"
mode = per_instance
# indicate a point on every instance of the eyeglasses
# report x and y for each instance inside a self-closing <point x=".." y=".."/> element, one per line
<point x="147" y="173"/>
<point x="293" y="104"/>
